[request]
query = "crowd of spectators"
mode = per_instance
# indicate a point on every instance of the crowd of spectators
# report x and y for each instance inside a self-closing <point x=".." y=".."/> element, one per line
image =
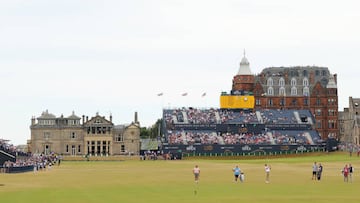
<point x="23" y="159"/>
<point x="349" y="147"/>
<point x="219" y="116"/>
<point x="242" y="117"/>
<point x="38" y="162"/>
<point x="270" y="116"/>
<point x="264" y="138"/>
<point x="8" y="148"/>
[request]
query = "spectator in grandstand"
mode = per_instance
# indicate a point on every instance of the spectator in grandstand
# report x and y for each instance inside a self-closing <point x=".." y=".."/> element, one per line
<point x="237" y="172"/>
<point x="314" y="171"/>
<point x="351" y="170"/>
<point x="345" y="172"/>
<point x="319" y="172"/>
<point x="267" y="172"/>
<point x="196" y="172"/>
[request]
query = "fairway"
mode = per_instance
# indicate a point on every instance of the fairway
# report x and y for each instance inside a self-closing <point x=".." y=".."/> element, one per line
<point x="172" y="181"/>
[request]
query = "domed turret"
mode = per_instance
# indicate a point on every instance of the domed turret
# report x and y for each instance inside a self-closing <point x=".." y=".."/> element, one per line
<point x="244" y="80"/>
<point x="244" y="66"/>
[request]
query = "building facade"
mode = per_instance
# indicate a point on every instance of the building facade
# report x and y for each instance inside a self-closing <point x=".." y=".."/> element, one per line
<point x="349" y="121"/>
<point x="299" y="87"/>
<point x="77" y="136"/>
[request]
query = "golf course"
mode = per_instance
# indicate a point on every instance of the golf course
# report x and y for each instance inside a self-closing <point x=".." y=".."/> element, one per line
<point x="172" y="181"/>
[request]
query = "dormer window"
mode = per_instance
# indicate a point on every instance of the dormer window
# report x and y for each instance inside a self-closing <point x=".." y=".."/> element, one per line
<point x="281" y="82"/>
<point x="270" y="91"/>
<point x="282" y="91"/>
<point x="293" y="91"/>
<point x="305" y="82"/>
<point x="306" y="91"/>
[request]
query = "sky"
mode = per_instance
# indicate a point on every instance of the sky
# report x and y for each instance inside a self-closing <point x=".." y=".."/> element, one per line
<point x="114" y="56"/>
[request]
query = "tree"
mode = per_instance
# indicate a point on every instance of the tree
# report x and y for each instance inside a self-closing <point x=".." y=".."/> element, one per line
<point x="152" y="132"/>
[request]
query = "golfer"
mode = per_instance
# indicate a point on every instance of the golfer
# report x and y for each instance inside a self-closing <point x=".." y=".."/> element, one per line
<point x="237" y="172"/>
<point x="267" y="172"/>
<point x="196" y="172"/>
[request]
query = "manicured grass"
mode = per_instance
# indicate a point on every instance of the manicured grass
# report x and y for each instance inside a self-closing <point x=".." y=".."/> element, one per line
<point x="172" y="182"/>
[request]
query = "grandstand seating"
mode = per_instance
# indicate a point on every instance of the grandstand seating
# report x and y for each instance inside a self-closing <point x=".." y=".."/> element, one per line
<point x="188" y="126"/>
<point x="7" y="152"/>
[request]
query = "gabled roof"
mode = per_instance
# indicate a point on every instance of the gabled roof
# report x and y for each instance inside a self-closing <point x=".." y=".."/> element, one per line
<point x="98" y="120"/>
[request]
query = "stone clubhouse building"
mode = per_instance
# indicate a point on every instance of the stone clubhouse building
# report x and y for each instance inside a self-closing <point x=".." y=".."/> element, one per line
<point x="76" y="136"/>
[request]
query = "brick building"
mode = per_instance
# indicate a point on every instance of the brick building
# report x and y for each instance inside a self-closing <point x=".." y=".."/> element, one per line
<point x="297" y="87"/>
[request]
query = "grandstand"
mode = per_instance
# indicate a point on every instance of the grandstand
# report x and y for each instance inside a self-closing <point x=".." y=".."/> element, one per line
<point x="201" y="131"/>
<point x="7" y="152"/>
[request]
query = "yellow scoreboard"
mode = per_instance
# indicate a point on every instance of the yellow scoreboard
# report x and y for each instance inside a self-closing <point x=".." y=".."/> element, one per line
<point x="237" y="101"/>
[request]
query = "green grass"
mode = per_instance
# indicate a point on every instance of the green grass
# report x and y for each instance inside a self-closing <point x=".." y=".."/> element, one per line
<point x="172" y="182"/>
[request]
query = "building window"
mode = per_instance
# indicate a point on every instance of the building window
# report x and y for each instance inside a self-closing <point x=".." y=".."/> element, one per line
<point x="305" y="73"/>
<point x="318" y="124"/>
<point x="306" y="91"/>
<point x="317" y="73"/>
<point x="293" y="82"/>
<point x="323" y="73"/>
<point x="282" y="102"/>
<point x="67" y="148"/>
<point x="331" y="124"/>
<point x="270" y="102"/>
<point x="270" y="91"/>
<point x="306" y="101"/>
<point x="331" y="101"/>
<point x="282" y="91"/>
<point x="281" y="82"/>
<point x="318" y="112"/>
<point x="270" y="82"/>
<point x="47" y="149"/>
<point x="294" y="102"/>
<point x="258" y="102"/>
<point x="293" y="91"/>
<point x="79" y="148"/>
<point x="331" y="112"/>
<point x="119" y="138"/>
<point x="294" y="73"/>
<point x="305" y="82"/>
<point x="318" y="102"/>
<point x="122" y="148"/>
<point x="72" y="135"/>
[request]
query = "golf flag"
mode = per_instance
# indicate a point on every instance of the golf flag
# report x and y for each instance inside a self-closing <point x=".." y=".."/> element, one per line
<point x="184" y="94"/>
<point x="160" y="94"/>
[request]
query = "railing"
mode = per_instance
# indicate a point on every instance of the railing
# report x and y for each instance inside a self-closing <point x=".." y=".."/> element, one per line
<point x="17" y="169"/>
<point x="257" y="153"/>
